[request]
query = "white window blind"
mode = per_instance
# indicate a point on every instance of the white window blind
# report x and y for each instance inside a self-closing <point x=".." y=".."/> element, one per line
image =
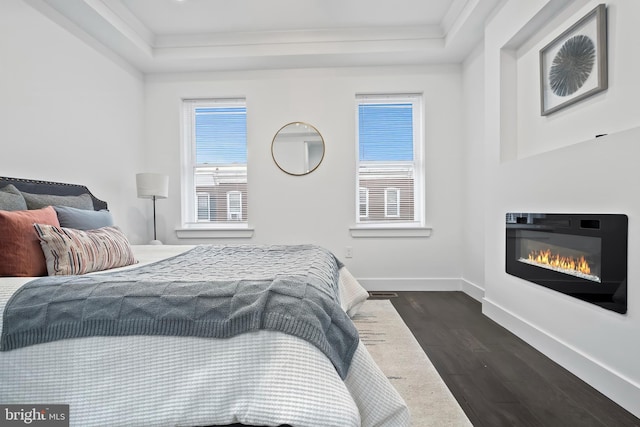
<point x="215" y="166"/>
<point x="389" y="170"/>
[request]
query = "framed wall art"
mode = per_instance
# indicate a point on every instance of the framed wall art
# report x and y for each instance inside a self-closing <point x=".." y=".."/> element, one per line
<point x="574" y="65"/>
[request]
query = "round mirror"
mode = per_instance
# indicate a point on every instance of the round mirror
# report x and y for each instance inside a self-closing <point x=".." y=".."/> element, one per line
<point x="297" y="148"/>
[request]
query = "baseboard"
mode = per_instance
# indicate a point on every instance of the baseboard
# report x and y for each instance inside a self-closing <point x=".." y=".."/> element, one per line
<point x="621" y="390"/>
<point x="425" y="284"/>
<point x="474" y="291"/>
<point x="410" y="284"/>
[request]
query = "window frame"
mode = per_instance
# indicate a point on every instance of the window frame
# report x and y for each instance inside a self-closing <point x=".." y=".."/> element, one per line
<point x="415" y="227"/>
<point x="191" y="226"/>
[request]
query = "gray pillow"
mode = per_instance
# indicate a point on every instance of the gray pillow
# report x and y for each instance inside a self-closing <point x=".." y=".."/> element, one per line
<point x="11" y="199"/>
<point x="39" y="201"/>
<point x="82" y="219"/>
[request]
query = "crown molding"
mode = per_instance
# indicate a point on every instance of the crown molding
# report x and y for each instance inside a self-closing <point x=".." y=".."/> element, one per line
<point x="112" y="25"/>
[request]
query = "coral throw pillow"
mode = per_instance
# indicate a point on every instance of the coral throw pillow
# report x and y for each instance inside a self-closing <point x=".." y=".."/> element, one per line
<point x="20" y="250"/>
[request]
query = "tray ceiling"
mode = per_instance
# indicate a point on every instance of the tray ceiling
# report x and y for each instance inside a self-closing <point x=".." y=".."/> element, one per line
<point x="210" y="35"/>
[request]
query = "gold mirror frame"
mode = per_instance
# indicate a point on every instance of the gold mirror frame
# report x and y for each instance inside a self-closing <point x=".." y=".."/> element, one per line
<point x="297" y="148"/>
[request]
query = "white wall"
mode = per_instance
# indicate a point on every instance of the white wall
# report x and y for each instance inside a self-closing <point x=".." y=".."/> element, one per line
<point x="528" y="157"/>
<point x="320" y="207"/>
<point x="67" y="113"/>
<point x="582" y="121"/>
<point x="473" y="172"/>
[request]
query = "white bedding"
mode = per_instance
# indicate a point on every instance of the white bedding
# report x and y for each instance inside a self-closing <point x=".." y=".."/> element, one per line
<point x="260" y="378"/>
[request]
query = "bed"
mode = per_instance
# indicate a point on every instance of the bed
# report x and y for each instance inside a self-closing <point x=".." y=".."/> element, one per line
<point x="262" y="374"/>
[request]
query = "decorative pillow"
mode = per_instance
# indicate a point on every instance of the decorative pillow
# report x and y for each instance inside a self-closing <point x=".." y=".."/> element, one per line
<point x="83" y="219"/>
<point x="70" y="251"/>
<point x="20" y="251"/>
<point x="11" y="199"/>
<point x="37" y="201"/>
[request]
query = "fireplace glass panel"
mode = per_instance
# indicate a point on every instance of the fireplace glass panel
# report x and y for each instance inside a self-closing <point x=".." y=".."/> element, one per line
<point x="578" y="256"/>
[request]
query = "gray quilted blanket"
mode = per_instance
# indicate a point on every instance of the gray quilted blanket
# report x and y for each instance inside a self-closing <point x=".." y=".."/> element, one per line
<point x="209" y="291"/>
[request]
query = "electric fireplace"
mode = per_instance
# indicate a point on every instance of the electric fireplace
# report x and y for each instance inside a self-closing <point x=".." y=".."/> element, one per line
<point x="581" y="255"/>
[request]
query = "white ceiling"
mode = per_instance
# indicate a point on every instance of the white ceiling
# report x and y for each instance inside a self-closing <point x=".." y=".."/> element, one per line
<point x="205" y="35"/>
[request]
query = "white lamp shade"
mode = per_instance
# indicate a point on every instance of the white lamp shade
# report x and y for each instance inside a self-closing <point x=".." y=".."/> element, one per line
<point x="152" y="185"/>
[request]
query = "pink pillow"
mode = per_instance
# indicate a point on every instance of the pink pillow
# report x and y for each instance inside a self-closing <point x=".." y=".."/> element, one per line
<point x="20" y="250"/>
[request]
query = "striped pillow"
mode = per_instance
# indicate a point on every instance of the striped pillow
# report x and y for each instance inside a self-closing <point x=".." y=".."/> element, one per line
<point x="69" y="251"/>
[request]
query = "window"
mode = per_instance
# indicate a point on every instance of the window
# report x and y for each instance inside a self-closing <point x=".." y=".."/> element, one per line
<point x="364" y="202"/>
<point x="215" y="163"/>
<point x="204" y="206"/>
<point x="391" y="202"/>
<point x="390" y="174"/>
<point x="234" y="206"/>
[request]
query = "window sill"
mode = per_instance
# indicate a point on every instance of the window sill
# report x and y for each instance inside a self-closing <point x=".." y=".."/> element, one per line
<point x="379" y="231"/>
<point x="214" y="233"/>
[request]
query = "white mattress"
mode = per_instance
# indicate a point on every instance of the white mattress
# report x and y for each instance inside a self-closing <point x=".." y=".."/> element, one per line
<point x="262" y="378"/>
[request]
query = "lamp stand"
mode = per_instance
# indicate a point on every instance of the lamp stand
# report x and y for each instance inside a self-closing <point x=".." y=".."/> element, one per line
<point x="155" y="240"/>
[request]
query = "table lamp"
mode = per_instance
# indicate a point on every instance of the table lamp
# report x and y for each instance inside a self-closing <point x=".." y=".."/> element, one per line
<point x="153" y="186"/>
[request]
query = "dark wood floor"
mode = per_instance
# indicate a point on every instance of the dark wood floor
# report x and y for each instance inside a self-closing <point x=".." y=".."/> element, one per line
<point x="497" y="378"/>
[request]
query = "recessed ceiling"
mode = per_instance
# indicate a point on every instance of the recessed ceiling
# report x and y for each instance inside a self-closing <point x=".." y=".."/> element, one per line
<point x="209" y="35"/>
<point x="213" y="16"/>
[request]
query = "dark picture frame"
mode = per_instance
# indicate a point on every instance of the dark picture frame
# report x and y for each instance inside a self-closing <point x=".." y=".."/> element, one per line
<point x="573" y="66"/>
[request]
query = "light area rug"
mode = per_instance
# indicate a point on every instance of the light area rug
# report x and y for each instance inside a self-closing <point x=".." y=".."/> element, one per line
<point x="400" y="357"/>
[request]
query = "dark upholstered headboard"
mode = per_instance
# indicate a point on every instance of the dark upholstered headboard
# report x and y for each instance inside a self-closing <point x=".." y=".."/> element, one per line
<point x="49" y="187"/>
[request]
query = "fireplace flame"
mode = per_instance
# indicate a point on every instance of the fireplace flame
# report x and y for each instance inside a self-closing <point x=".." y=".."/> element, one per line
<point x="547" y="258"/>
